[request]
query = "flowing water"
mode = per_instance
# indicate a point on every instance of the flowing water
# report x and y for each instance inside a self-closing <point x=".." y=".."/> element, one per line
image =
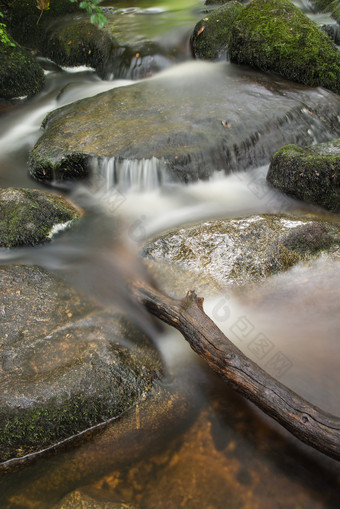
<point x="221" y="451"/>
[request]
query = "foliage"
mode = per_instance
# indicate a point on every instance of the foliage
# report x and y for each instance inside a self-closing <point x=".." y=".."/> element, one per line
<point x="4" y="39"/>
<point x="92" y="7"/>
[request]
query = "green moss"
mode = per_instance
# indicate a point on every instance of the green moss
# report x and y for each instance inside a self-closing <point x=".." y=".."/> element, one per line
<point x="27" y="216"/>
<point x="20" y="73"/>
<point x="311" y="173"/>
<point x="274" y="35"/>
<point x="210" y="36"/>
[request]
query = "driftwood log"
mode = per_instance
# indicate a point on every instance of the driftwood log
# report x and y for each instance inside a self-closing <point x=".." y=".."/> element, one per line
<point x="304" y="420"/>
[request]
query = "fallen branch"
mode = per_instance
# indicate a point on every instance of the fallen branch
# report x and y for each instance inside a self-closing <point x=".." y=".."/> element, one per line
<point x="304" y="420"/>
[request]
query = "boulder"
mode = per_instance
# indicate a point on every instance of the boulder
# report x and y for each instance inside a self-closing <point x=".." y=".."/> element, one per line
<point x="311" y="174"/>
<point x="184" y="129"/>
<point x="275" y="36"/>
<point x="20" y="74"/>
<point x="29" y="217"/>
<point x="236" y="252"/>
<point x="66" y="365"/>
<point x="210" y="36"/>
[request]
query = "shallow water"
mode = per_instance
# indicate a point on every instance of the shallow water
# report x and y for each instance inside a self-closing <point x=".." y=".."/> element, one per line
<point x="217" y="447"/>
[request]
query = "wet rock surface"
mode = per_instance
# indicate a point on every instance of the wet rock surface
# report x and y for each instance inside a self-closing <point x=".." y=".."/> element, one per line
<point x="29" y="217"/>
<point x="237" y="252"/>
<point x="218" y="117"/>
<point x="311" y="173"/>
<point x="66" y="365"/>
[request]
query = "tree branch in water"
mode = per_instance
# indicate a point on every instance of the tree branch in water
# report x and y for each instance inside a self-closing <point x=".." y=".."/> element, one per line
<point x="304" y="420"/>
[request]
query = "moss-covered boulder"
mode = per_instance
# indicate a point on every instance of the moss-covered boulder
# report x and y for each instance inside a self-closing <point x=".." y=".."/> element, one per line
<point x="184" y="124"/>
<point x="78" y="42"/>
<point x="311" y="174"/>
<point x="236" y="252"/>
<point x="20" y="73"/>
<point x="210" y="36"/>
<point x="274" y="35"/>
<point x="65" y="364"/>
<point x="29" y="217"/>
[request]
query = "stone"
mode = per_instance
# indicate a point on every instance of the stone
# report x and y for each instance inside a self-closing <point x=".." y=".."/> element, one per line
<point x="66" y="364"/>
<point x="242" y="251"/>
<point x="20" y="74"/>
<point x="210" y="35"/>
<point x="29" y="217"/>
<point x="187" y="131"/>
<point x="311" y="174"/>
<point x="276" y="36"/>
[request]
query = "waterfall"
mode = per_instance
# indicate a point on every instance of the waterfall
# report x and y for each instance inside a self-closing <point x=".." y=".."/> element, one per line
<point x="128" y="174"/>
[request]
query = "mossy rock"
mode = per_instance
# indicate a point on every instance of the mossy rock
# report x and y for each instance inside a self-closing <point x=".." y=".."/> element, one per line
<point x="275" y="36"/>
<point x="79" y="43"/>
<point x="29" y="217"/>
<point x="242" y="251"/>
<point x="65" y="364"/>
<point x="311" y="174"/>
<point x="23" y="15"/>
<point x="210" y="36"/>
<point x="20" y="73"/>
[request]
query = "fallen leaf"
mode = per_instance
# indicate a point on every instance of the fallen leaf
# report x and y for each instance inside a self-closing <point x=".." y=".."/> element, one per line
<point x="200" y="31"/>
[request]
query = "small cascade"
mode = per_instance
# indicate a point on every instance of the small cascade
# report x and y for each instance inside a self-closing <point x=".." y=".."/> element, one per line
<point x="128" y="174"/>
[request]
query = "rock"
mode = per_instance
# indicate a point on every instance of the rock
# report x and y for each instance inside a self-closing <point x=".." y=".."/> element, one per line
<point x="80" y="500"/>
<point x="29" y="217"/>
<point x="210" y="36"/>
<point x="311" y="174"/>
<point x="65" y="364"/>
<point x="20" y="73"/>
<point x="236" y="252"/>
<point x="184" y="131"/>
<point x="118" y="50"/>
<point x="78" y="42"/>
<point x="275" y="36"/>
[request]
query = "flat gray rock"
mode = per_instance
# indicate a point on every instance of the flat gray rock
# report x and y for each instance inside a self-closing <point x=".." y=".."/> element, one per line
<point x="187" y="122"/>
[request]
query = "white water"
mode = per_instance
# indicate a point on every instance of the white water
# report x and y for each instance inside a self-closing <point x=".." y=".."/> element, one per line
<point x="295" y="315"/>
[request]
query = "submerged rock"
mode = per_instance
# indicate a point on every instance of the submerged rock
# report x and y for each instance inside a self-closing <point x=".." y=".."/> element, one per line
<point x="311" y="174"/>
<point x="29" y="217"/>
<point x="210" y="36"/>
<point x="20" y="74"/>
<point x="216" y="117"/>
<point x="236" y="252"/>
<point x="65" y="365"/>
<point x="274" y="35"/>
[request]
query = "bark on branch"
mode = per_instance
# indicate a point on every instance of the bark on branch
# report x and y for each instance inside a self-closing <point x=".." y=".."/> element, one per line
<point x="304" y="420"/>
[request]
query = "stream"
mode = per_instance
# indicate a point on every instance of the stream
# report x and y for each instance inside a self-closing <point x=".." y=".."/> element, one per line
<point x="223" y="452"/>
